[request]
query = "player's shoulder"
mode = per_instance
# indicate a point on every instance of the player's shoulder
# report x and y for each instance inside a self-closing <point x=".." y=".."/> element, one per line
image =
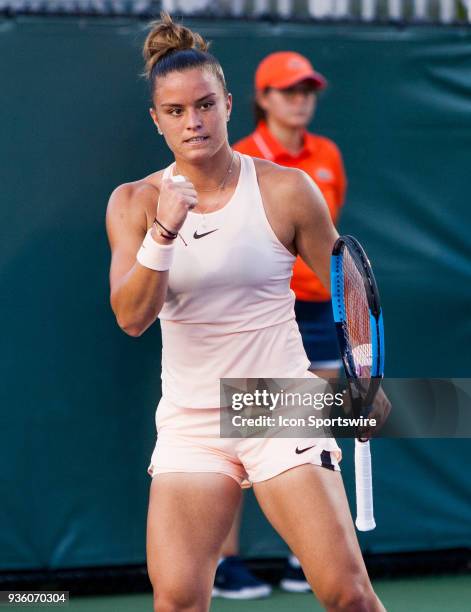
<point x="280" y="177"/>
<point x="287" y="192"/>
<point x="135" y="195"/>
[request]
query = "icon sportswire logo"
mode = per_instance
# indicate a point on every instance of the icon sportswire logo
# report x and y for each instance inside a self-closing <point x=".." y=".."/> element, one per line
<point x="196" y="235"/>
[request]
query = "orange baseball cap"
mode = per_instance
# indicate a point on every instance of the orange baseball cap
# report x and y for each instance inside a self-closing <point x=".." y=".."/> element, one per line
<point x="284" y="69"/>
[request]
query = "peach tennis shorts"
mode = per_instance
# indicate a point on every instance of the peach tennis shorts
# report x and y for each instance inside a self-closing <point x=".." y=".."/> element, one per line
<point x="188" y="441"/>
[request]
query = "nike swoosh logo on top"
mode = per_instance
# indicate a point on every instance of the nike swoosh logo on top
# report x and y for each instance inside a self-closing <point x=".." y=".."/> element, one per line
<point x="196" y="235"/>
<point x="303" y="450"/>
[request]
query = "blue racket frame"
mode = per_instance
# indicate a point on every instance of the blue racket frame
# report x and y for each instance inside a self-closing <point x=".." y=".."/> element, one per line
<point x="360" y="258"/>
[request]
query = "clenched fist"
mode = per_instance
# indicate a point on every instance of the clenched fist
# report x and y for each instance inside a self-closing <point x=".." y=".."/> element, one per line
<point x="177" y="197"/>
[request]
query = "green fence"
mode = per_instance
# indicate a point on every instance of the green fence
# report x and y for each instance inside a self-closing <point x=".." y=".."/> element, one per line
<point x="78" y="396"/>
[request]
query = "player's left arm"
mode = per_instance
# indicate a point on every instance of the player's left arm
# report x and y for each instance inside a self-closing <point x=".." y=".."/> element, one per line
<point x="314" y="231"/>
<point x="314" y="238"/>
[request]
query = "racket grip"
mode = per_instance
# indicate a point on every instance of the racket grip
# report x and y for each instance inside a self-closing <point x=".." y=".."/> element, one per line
<point x="365" y="520"/>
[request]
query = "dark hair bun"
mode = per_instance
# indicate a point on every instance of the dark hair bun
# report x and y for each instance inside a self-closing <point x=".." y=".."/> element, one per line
<point x="166" y="37"/>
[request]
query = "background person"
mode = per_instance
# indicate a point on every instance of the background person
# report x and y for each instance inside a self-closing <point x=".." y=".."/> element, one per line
<point x="286" y="89"/>
<point x="286" y="93"/>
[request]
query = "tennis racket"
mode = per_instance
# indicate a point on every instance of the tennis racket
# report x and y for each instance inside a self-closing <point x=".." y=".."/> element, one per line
<point x="359" y="323"/>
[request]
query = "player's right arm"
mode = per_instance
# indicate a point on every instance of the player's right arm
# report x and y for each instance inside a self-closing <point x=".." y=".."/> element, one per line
<point x="138" y="293"/>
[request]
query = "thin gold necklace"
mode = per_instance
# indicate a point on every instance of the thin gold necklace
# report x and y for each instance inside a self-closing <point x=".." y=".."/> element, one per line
<point x="220" y="187"/>
<point x="203" y="225"/>
<point x="224" y="180"/>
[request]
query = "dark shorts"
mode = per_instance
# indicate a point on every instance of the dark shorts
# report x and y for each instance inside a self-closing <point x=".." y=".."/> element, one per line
<point x="317" y="327"/>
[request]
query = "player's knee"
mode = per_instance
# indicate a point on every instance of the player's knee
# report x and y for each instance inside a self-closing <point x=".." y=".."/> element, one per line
<point x="353" y="597"/>
<point x="181" y="600"/>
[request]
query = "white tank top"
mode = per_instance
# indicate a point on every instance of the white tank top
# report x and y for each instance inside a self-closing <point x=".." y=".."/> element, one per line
<point x="229" y="309"/>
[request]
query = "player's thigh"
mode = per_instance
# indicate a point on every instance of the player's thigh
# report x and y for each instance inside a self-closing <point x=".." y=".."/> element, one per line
<point x="189" y="516"/>
<point x="308" y="507"/>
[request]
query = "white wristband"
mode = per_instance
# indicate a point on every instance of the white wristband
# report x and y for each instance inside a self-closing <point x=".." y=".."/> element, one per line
<point x="154" y="255"/>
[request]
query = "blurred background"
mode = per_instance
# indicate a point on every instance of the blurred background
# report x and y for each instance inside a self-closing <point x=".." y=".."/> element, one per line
<point x="78" y="396"/>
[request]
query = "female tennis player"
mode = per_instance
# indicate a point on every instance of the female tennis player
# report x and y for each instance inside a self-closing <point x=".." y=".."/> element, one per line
<point x="211" y="255"/>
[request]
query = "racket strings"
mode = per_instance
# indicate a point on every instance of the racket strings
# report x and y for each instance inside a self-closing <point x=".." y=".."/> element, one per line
<point x="357" y="327"/>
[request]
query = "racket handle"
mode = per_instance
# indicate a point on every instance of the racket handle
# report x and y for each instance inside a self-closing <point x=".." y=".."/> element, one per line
<point x="365" y="520"/>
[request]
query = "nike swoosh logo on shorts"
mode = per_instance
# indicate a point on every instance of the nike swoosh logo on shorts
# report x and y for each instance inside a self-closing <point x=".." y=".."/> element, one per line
<point x="303" y="450"/>
<point x="196" y="235"/>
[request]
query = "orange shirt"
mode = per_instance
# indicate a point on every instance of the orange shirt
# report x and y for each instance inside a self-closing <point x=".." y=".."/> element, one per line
<point x="322" y="160"/>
